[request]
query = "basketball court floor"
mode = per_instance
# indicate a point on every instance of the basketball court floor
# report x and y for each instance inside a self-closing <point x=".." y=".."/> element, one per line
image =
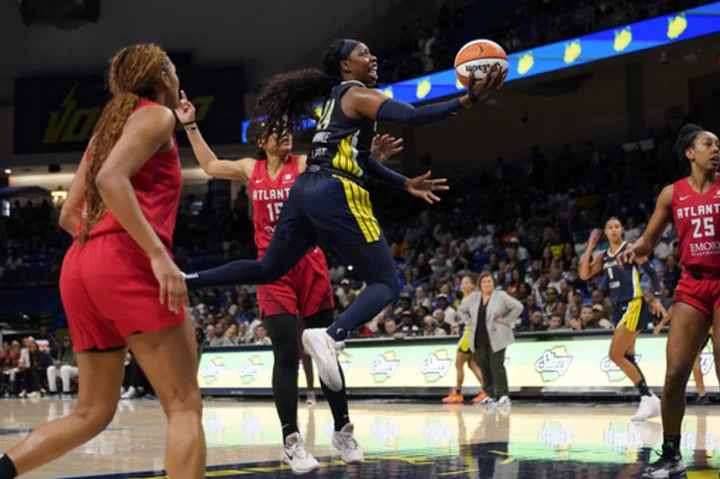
<point x="400" y="439"/>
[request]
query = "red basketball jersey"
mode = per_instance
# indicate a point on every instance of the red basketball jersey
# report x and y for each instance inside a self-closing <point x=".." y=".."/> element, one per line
<point x="697" y="219"/>
<point x="157" y="186"/>
<point x="268" y="197"/>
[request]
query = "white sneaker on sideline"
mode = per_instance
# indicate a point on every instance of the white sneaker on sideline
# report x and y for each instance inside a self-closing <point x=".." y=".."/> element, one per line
<point x="345" y="442"/>
<point x="649" y="408"/>
<point x="488" y="401"/>
<point x="130" y="393"/>
<point x="296" y="456"/>
<point x="323" y="350"/>
<point x="504" y="401"/>
<point x="34" y="395"/>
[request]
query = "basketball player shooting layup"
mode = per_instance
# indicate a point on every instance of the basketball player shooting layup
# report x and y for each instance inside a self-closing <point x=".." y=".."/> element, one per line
<point x="328" y="203"/>
<point x="304" y="296"/>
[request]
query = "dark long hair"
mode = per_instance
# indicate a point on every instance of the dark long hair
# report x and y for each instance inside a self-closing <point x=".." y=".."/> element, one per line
<point x="686" y="139"/>
<point x="288" y="97"/>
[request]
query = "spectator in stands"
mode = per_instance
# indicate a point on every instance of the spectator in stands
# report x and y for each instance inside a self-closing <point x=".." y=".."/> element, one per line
<point x="407" y="324"/>
<point x="599" y="298"/>
<point x="671" y="275"/>
<point x="232" y="333"/>
<point x="430" y="327"/>
<point x="210" y="333"/>
<point x="421" y="299"/>
<point x="390" y="329"/>
<point x="444" y="304"/>
<point x="439" y="316"/>
<point x="404" y="304"/>
<point x="343" y="293"/>
<point x="490" y="314"/>
<point x="537" y="323"/>
<point x="556" y="322"/>
<point x="34" y="366"/>
<point x="65" y="367"/>
<point x="261" y="337"/>
<point x="9" y="363"/>
<point x="598" y="321"/>
<point x="531" y="308"/>
<point x="220" y="340"/>
<point x="46" y="342"/>
<point x="552" y="304"/>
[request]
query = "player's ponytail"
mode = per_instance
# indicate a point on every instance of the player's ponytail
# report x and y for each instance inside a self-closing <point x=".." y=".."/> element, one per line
<point x="686" y="139"/>
<point x="134" y="73"/>
<point x="289" y="97"/>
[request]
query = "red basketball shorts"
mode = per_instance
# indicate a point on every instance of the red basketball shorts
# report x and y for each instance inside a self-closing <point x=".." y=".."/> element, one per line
<point x="304" y="291"/>
<point x="109" y="293"/>
<point x="702" y="294"/>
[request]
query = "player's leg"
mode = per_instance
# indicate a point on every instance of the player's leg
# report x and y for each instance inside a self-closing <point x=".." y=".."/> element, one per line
<point x="482" y="358"/>
<point x="699" y="380"/>
<point x="102" y="374"/>
<point x="478" y="374"/>
<point x="374" y="263"/>
<point x="168" y="357"/>
<point x="283" y="334"/>
<point x="688" y="330"/>
<point x="292" y="239"/>
<point x="343" y="439"/>
<point x="306" y="361"/>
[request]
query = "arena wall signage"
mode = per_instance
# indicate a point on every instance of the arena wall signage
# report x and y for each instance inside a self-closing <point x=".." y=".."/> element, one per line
<point x="57" y="114"/>
<point x="568" y="366"/>
<point x="614" y="42"/>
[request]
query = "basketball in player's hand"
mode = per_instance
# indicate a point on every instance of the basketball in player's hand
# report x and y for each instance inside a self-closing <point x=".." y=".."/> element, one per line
<point x="477" y="58"/>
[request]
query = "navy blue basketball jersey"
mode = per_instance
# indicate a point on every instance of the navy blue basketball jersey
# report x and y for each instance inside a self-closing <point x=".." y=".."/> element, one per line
<point x="340" y="142"/>
<point x="624" y="283"/>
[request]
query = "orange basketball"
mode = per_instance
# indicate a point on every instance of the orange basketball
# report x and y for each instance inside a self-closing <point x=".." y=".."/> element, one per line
<point x="476" y="58"/>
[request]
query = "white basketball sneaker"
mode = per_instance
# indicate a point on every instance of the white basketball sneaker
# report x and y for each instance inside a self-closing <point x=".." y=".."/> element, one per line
<point x="323" y="350"/>
<point x="345" y="442"/>
<point x="296" y="456"/>
<point x="649" y="408"/>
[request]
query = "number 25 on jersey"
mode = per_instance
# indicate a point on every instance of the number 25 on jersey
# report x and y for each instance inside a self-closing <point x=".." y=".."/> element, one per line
<point x="703" y="227"/>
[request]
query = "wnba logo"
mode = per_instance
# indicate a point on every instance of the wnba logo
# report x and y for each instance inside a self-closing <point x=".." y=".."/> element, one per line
<point x="482" y="67"/>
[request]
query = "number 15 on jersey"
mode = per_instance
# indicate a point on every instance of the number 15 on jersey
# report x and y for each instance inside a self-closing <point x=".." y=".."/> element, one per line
<point x="274" y="210"/>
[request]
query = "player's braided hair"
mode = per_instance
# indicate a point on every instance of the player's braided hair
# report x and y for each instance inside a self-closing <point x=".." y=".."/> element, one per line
<point x="288" y="97"/>
<point x="134" y="72"/>
<point x="686" y="139"/>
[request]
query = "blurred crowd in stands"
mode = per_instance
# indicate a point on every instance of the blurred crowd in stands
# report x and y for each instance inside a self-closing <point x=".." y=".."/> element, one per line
<point x="526" y="222"/>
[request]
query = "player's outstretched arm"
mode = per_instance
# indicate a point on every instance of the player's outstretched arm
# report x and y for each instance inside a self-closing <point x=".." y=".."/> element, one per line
<point x="373" y="104"/>
<point x="227" y="169"/>
<point x="589" y="269"/>
<point x="651" y="236"/>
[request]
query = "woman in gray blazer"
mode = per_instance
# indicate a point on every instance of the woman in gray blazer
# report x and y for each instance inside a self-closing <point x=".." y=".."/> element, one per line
<point x="490" y="314"/>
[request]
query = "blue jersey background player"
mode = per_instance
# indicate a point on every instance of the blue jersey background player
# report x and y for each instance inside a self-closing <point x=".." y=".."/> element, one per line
<point x="631" y="313"/>
<point x="328" y="204"/>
